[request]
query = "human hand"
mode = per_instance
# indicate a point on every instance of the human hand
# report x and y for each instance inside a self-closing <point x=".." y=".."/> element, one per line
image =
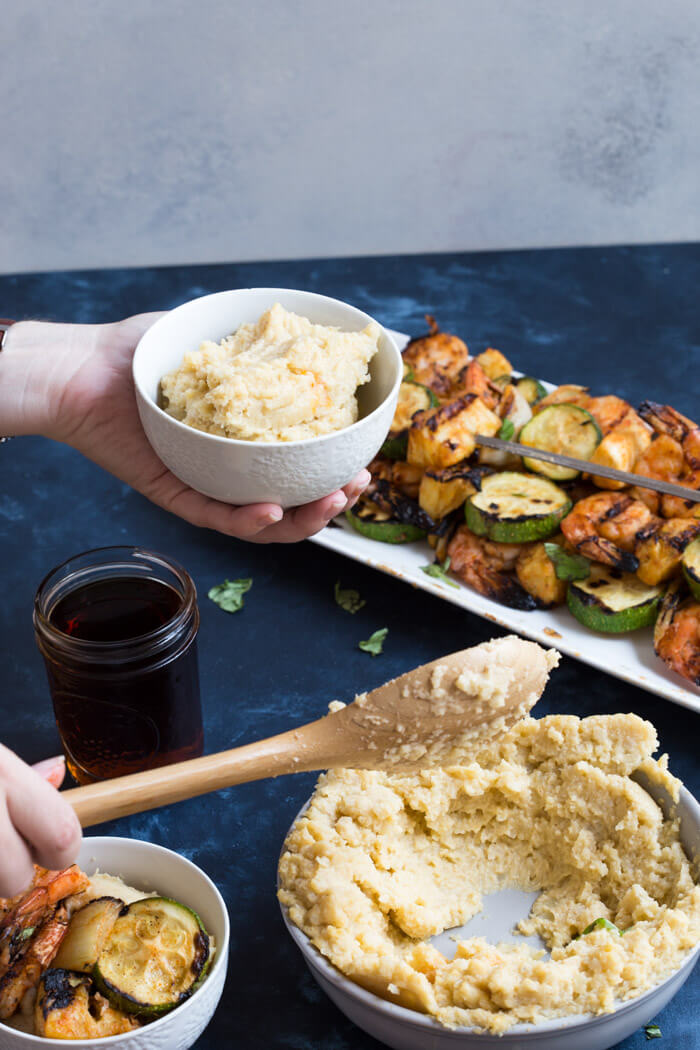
<point x="36" y="825"/>
<point x="80" y="391"/>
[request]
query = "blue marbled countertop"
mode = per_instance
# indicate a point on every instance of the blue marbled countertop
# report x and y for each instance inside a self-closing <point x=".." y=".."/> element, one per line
<point x="624" y="320"/>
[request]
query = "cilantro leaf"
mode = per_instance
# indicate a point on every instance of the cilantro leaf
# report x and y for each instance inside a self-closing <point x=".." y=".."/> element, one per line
<point x="507" y="430"/>
<point x="375" y="642"/>
<point x="652" y="1031"/>
<point x="348" y="598"/>
<point x="440" y="572"/>
<point x="229" y="594"/>
<point x="567" y="566"/>
<point x="27" y="933"/>
<point x="599" y="924"/>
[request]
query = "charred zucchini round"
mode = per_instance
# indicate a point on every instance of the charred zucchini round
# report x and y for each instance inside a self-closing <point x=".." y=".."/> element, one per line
<point x="413" y="397"/>
<point x="691" y="567"/>
<point x="613" y="602"/>
<point x="156" y="955"/>
<point x="567" y="429"/>
<point x="386" y="531"/>
<point x="516" y="508"/>
<point x="87" y="934"/>
<point x="531" y="389"/>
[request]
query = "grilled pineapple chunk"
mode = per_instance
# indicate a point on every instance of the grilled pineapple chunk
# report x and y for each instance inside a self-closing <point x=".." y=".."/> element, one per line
<point x="443" y="436"/>
<point x="536" y="574"/>
<point x="621" y="448"/>
<point x="659" y="548"/>
<point x="494" y="363"/>
<point x="442" y="491"/>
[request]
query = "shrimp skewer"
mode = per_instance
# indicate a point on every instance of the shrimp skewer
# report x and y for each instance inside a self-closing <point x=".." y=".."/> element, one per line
<point x="677" y="459"/>
<point x="604" y="528"/>
<point x="677" y="633"/>
<point x="25" y="971"/>
<point x="485" y="564"/>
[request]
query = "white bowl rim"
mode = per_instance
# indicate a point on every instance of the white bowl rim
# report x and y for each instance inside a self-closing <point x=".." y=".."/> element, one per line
<point x="220" y="958"/>
<point x="239" y="442"/>
<point x="426" y="1023"/>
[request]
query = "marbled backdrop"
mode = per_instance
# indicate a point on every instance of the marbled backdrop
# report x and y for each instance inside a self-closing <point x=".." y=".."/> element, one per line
<point x="622" y="320"/>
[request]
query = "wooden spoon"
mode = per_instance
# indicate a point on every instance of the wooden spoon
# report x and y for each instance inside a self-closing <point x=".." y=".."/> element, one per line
<point x="425" y="717"/>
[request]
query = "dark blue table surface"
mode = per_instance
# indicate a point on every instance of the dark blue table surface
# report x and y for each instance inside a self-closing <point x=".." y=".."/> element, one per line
<point x="625" y="320"/>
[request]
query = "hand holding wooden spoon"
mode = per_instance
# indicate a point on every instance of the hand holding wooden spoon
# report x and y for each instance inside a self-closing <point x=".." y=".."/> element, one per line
<point x="426" y="717"/>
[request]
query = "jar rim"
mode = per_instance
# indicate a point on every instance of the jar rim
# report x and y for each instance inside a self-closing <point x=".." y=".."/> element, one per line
<point x="59" y="581"/>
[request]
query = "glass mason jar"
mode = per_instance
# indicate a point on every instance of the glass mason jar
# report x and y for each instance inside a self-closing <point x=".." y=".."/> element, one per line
<point x="117" y="628"/>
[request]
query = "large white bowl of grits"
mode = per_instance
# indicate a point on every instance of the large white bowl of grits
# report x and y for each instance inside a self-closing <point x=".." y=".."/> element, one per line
<point x="148" y="868"/>
<point x="420" y="902"/>
<point x="266" y="394"/>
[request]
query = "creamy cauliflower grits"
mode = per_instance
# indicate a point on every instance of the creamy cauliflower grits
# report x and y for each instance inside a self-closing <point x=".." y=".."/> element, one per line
<point x="279" y="379"/>
<point x="380" y="862"/>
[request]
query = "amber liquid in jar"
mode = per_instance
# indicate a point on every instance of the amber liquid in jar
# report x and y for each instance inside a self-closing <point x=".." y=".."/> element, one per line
<point x="121" y="658"/>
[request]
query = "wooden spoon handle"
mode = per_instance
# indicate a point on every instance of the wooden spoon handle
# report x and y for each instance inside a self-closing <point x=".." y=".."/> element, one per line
<point x="137" y="792"/>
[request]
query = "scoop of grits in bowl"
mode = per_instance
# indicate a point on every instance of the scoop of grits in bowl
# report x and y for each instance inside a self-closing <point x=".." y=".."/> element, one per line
<point x="287" y="409"/>
<point x="380" y="864"/>
<point x="282" y="378"/>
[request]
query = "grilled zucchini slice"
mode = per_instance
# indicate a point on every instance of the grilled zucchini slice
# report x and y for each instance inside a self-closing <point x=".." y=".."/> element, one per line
<point x="531" y="389"/>
<point x="691" y="567"/>
<point x="380" y="526"/>
<point x="445" y="435"/>
<point x="567" y="429"/>
<point x="613" y="602"/>
<point x="413" y="397"/>
<point x="155" y="957"/>
<point x="87" y="934"/>
<point x="516" y="508"/>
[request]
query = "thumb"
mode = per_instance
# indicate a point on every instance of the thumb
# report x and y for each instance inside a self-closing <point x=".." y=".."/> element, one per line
<point x="52" y="769"/>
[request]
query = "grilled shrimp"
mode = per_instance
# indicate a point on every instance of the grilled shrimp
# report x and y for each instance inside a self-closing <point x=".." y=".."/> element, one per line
<point x="472" y="379"/>
<point x="29" y="909"/>
<point x="674" y="427"/>
<point x="31" y="961"/>
<point x="604" y="527"/>
<point x="677" y="633"/>
<point x="663" y="460"/>
<point x="436" y="358"/>
<point x="485" y="565"/>
<point x="68" y="1007"/>
<point x="608" y="411"/>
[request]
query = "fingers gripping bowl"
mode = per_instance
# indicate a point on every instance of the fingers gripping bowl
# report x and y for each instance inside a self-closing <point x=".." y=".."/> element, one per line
<point x="151" y="868"/>
<point x="251" y="471"/>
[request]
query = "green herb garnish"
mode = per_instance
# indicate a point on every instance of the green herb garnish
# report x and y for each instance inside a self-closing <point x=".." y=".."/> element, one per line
<point x="440" y="572"/>
<point x="652" y="1031"/>
<point x="229" y="594"/>
<point x="599" y="924"/>
<point x="348" y="599"/>
<point x="567" y="566"/>
<point x="27" y="933"/>
<point x="375" y="642"/>
<point x="507" y="430"/>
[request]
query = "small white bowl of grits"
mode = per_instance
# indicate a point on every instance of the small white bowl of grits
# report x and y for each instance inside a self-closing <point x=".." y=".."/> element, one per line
<point x="545" y="896"/>
<point x="266" y="394"/>
<point x="69" y="1000"/>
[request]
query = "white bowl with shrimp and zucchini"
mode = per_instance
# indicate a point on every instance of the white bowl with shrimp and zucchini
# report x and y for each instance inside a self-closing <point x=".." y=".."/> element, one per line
<point x="530" y="534"/>
<point x="128" y="947"/>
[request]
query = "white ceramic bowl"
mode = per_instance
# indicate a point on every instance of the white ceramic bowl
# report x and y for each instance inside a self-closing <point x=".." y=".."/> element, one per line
<point x="285" y="472"/>
<point x="150" y="867"/>
<point x="404" y="1029"/>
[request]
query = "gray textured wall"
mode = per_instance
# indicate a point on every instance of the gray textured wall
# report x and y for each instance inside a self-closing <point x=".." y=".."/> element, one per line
<point x="164" y="131"/>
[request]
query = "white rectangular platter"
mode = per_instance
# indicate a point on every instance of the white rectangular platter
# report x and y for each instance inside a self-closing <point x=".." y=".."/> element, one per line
<point x="630" y="657"/>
